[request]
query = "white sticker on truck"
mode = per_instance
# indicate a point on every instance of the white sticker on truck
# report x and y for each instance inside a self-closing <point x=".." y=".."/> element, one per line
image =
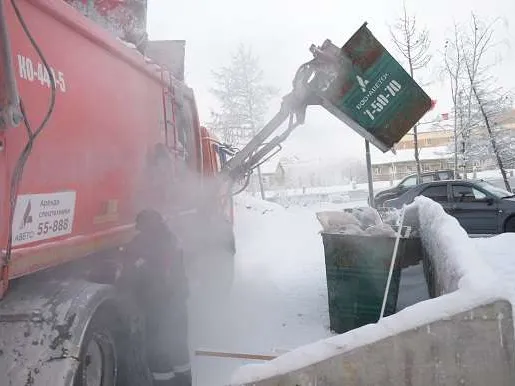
<point x="36" y="71"/>
<point x="43" y="216"/>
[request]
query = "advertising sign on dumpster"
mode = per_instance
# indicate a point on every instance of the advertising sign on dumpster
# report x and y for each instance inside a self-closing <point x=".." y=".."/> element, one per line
<point x="373" y="94"/>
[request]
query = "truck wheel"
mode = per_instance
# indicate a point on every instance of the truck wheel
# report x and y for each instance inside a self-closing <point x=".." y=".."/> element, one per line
<point x="97" y="361"/>
<point x="509" y="226"/>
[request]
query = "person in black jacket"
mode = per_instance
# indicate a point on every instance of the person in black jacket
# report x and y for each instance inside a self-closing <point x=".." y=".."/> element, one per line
<point x="158" y="281"/>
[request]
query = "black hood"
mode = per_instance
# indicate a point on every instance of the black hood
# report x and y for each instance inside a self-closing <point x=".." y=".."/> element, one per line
<point x="386" y="191"/>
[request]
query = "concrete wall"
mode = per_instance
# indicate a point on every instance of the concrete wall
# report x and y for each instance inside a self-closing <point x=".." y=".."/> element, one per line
<point x="473" y="348"/>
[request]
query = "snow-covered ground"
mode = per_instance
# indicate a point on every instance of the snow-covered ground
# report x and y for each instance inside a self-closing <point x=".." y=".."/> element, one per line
<point x="497" y="252"/>
<point x="279" y="300"/>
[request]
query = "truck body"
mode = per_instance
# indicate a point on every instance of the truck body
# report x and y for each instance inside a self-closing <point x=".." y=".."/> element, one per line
<point x="85" y="178"/>
<point x="84" y="181"/>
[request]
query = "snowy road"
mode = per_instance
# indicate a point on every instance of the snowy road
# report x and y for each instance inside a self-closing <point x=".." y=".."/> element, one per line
<point x="279" y="300"/>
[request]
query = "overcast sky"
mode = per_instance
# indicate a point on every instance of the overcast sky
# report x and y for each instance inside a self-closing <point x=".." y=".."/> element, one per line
<point x="281" y="31"/>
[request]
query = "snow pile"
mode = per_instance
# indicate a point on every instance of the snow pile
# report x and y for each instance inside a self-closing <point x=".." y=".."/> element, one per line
<point x="281" y="248"/>
<point x="498" y="254"/>
<point x="254" y="204"/>
<point x="456" y="260"/>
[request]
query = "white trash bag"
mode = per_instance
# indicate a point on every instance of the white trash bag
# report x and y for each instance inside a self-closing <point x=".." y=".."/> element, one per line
<point x="335" y="221"/>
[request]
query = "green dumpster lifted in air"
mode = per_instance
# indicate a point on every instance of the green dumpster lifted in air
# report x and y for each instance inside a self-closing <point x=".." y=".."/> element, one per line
<point x="372" y="93"/>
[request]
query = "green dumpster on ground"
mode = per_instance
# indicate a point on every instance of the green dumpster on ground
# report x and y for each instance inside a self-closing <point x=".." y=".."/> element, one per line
<point x="357" y="269"/>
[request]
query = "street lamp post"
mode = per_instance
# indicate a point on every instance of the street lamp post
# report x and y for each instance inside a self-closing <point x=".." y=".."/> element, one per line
<point x="369" y="175"/>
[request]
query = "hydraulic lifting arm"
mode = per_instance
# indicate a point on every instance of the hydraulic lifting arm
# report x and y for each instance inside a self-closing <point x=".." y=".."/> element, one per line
<point x="311" y="79"/>
<point x="361" y="84"/>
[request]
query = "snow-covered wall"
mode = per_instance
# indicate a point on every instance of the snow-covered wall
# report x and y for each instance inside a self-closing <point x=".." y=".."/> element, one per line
<point x="456" y="261"/>
<point x="470" y="323"/>
<point x="462" y="335"/>
<point x="473" y="347"/>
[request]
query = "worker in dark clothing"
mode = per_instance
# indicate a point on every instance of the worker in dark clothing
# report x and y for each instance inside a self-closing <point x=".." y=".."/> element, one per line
<point x="158" y="280"/>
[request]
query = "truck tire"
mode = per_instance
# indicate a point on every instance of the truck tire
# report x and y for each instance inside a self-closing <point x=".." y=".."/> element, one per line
<point x="98" y="355"/>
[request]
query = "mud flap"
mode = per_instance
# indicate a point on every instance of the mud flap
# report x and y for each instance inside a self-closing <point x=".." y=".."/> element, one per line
<point x="42" y="324"/>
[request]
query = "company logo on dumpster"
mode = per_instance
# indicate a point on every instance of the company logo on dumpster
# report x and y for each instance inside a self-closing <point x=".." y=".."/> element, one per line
<point x="362" y="83"/>
<point x="374" y="95"/>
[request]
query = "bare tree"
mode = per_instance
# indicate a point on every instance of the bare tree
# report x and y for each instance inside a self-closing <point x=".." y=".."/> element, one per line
<point x="243" y="100"/>
<point x="491" y="101"/>
<point x="464" y="119"/>
<point x="413" y="43"/>
<point x="453" y="66"/>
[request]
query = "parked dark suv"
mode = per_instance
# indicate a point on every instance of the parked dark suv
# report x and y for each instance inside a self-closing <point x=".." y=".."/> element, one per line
<point x="409" y="182"/>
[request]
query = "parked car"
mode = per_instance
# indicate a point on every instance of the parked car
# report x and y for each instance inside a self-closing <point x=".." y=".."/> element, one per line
<point x="480" y="207"/>
<point x="410" y="181"/>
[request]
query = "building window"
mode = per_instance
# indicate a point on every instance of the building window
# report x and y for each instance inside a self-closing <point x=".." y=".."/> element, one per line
<point x="444" y="175"/>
